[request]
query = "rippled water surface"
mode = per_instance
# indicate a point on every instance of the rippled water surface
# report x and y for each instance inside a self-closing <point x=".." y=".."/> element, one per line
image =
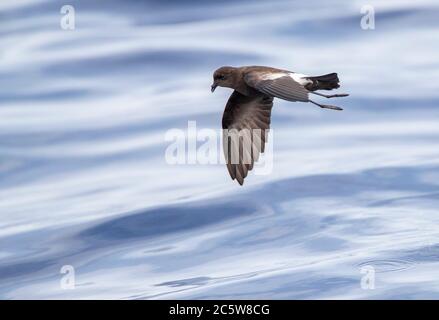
<point x="84" y="181"/>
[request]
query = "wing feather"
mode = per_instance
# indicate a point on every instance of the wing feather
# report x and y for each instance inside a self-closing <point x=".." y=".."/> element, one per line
<point x="246" y="122"/>
<point x="283" y="86"/>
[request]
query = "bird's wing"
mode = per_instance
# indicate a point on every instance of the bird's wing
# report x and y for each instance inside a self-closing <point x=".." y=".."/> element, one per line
<point x="246" y="122"/>
<point x="277" y="84"/>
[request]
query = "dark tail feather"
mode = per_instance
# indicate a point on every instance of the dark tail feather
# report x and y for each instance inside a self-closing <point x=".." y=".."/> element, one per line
<point x="326" y="82"/>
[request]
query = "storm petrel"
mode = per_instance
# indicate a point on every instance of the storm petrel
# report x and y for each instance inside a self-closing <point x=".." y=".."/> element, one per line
<point x="248" y="110"/>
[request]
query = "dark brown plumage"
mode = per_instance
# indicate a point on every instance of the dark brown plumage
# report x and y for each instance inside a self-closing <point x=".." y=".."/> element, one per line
<point x="246" y="119"/>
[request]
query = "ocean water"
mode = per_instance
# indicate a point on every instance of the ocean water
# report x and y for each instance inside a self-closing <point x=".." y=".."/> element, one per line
<point x="349" y="211"/>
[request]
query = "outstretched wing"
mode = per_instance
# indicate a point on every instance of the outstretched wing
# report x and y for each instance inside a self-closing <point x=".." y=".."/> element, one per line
<point x="246" y="122"/>
<point x="284" y="85"/>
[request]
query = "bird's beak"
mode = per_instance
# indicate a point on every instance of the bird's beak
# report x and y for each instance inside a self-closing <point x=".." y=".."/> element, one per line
<point x="213" y="87"/>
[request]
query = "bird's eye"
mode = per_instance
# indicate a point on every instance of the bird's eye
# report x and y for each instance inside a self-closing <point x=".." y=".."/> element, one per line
<point x="220" y="77"/>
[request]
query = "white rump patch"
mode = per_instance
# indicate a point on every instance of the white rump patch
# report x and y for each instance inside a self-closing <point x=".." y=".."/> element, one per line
<point x="273" y="76"/>
<point x="298" y="77"/>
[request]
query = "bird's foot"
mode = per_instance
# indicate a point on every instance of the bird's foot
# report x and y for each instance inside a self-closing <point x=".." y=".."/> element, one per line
<point x="337" y="95"/>
<point x="340" y="95"/>
<point x="325" y="106"/>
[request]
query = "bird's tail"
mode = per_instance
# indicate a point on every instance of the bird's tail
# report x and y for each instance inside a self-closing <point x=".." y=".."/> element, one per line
<point x="326" y="82"/>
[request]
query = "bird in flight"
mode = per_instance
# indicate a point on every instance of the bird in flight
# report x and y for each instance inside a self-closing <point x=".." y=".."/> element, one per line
<point x="246" y="118"/>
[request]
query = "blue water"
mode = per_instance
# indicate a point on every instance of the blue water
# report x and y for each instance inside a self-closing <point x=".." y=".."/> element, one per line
<point x="84" y="181"/>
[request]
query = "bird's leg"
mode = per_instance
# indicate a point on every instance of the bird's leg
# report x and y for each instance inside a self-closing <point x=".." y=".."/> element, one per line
<point x="338" y="95"/>
<point x="325" y="106"/>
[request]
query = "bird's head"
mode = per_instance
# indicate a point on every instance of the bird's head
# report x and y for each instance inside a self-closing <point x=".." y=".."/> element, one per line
<point x="223" y="77"/>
